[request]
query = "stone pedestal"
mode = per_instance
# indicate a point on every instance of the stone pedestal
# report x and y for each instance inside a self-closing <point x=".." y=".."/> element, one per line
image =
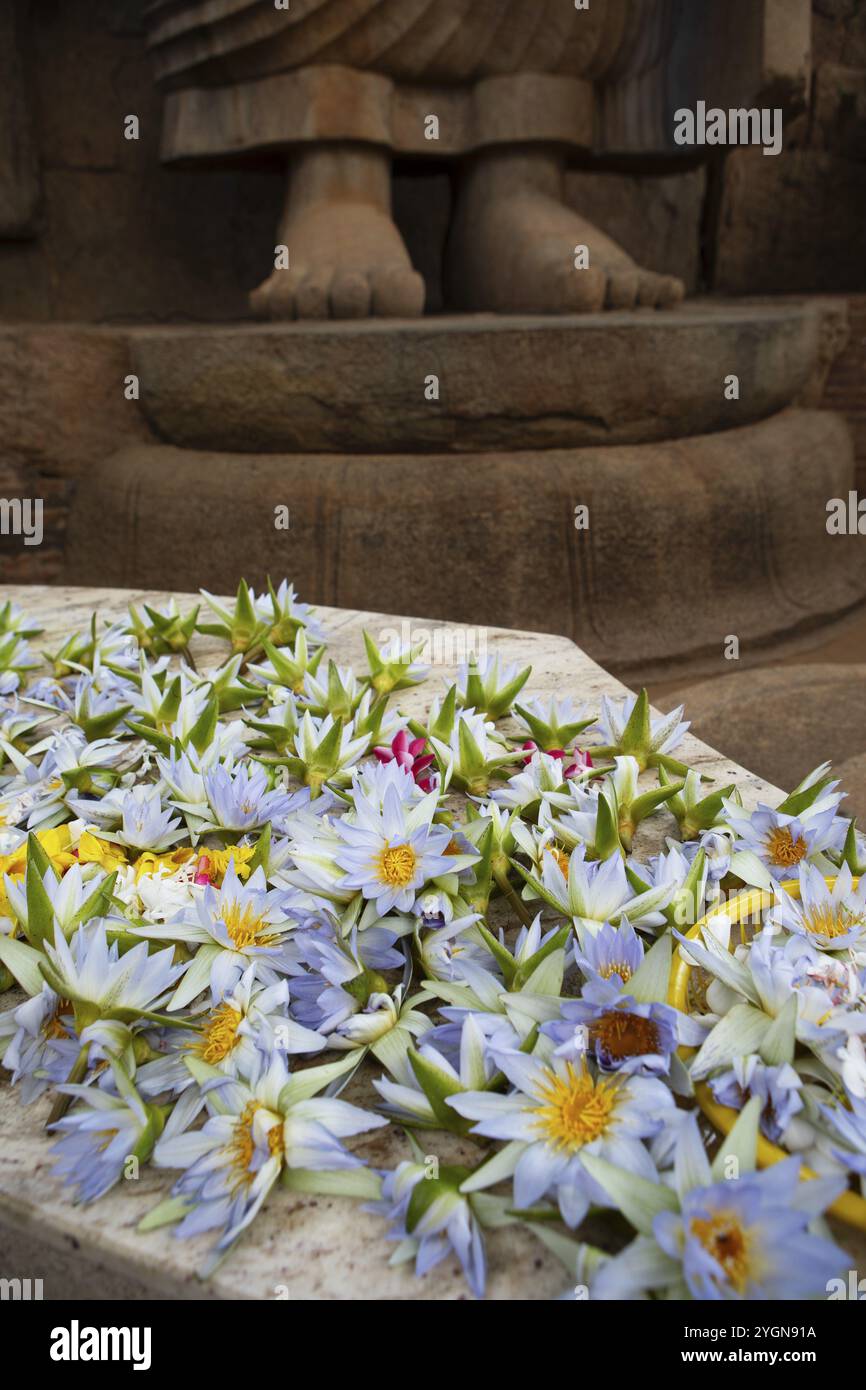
<point x="324" y="452"/>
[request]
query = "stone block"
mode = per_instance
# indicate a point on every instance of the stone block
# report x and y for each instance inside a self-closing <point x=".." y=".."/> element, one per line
<point x="62" y="403"/>
<point x="504" y="382"/>
<point x="792" y="222"/>
<point x="852" y="773"/>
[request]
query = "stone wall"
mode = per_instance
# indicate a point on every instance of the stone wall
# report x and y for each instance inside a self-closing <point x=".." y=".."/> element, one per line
<point x="797" y="221"/>
<point x="115" y="235"/>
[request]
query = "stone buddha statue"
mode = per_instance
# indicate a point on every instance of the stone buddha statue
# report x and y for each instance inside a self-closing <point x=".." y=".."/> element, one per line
<point x="507" y="90"/>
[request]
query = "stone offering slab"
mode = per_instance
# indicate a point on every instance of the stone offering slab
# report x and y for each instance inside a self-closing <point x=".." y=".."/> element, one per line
<point x="301" y="1247"/>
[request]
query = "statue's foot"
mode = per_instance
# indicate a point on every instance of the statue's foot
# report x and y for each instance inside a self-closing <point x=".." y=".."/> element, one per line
<point x="516" y="247"/>
<point x="346" y="258"/>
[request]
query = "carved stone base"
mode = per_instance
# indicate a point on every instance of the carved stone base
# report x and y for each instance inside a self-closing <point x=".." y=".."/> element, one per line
<point x="687" y="541"/>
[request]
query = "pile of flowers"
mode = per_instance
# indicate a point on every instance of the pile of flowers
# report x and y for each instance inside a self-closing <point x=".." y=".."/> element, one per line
<point x="223" y="891"/>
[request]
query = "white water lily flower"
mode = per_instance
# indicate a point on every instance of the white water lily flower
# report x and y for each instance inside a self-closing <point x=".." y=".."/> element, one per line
<point x="472" y="753"/>
<point x="234" y="926"/>
<point x="666" y="730"/>
<point x="160" y="896"/>
<point x="592" y="892"/>
<point x="475" y="1068"/>
<point x="312" y="733"/>
<point x="146" y="825"/>
<point x="771" y="845"/>
<point x="556" y="1116"/>
<point x="541" y="774"/>
<point x="67" y="895"/>
<point x="104" y="984"/>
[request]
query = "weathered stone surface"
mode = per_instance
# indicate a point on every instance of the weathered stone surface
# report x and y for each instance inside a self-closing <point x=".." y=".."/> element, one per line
<point x="19" y="170"/>
<point x="839" y="110"/>
<point x="62" y="403"/>
<point x="657" y="220"/>
<point x="793" y="222"/>
<point x="839" y="32"/>
<point x="846" y="383"/>
<point x="120" y="236"/>
<point x="312" y="1247"/>
<point x="787" y="719"/>
<point x="742" y="53"/>
<point x="688" y="541"/>
<point x="852" y="774"/>
<point x="22" y="563"/>
<point x="504" y="382"/>
<point x="834" y="338"/>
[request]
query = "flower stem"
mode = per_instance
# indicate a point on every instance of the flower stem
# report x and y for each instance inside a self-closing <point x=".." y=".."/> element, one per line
<point x="516" y="902"/>
<point x="62" y="1102"/>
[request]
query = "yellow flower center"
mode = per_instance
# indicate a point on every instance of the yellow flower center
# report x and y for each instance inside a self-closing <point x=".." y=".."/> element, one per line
<point x="276" y="1142"/>
<point x="723" y="1237"/>
<point x="831" y="922"/>
<point x="575" y="1108"/>
<point x="243" y="924"/>
<point x="241" y="1146"/>
<point x="396" y="865"/>
<point x="53" y="1027"/>
<point x="616" y="967"/>
<point x="784" y="850"/>
<point x="560" y="856"/>
<point x="219" y="1035"/>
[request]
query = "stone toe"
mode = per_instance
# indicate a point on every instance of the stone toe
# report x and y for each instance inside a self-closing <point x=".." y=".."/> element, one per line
<point x="350" y="295"/>
<point x="311" y="296"/>
<point x="647" y="290"/>
<point x="671" y="291"/>
<point x="622" y="289"/>
<point x="575" y="291"/>
<point x="398" y="292"/>
<point x="281" y="289"/>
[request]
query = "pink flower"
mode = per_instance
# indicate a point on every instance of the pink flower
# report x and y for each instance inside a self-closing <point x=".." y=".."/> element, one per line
<point x="409" y="753"/>
<point x="580" y="763"/>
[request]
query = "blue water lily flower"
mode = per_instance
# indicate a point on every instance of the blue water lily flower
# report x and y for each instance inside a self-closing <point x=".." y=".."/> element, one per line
<point x="833" y="919"/>
<point x="779" y="1089"/>
<point x="619" y="1033"/>
<point x="556" y="1114"/>
<point x="614" y="954"/>
<point x="389" y="854"/>
<point x="432" y="1219"/>
<point x="745" y="1237"/>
